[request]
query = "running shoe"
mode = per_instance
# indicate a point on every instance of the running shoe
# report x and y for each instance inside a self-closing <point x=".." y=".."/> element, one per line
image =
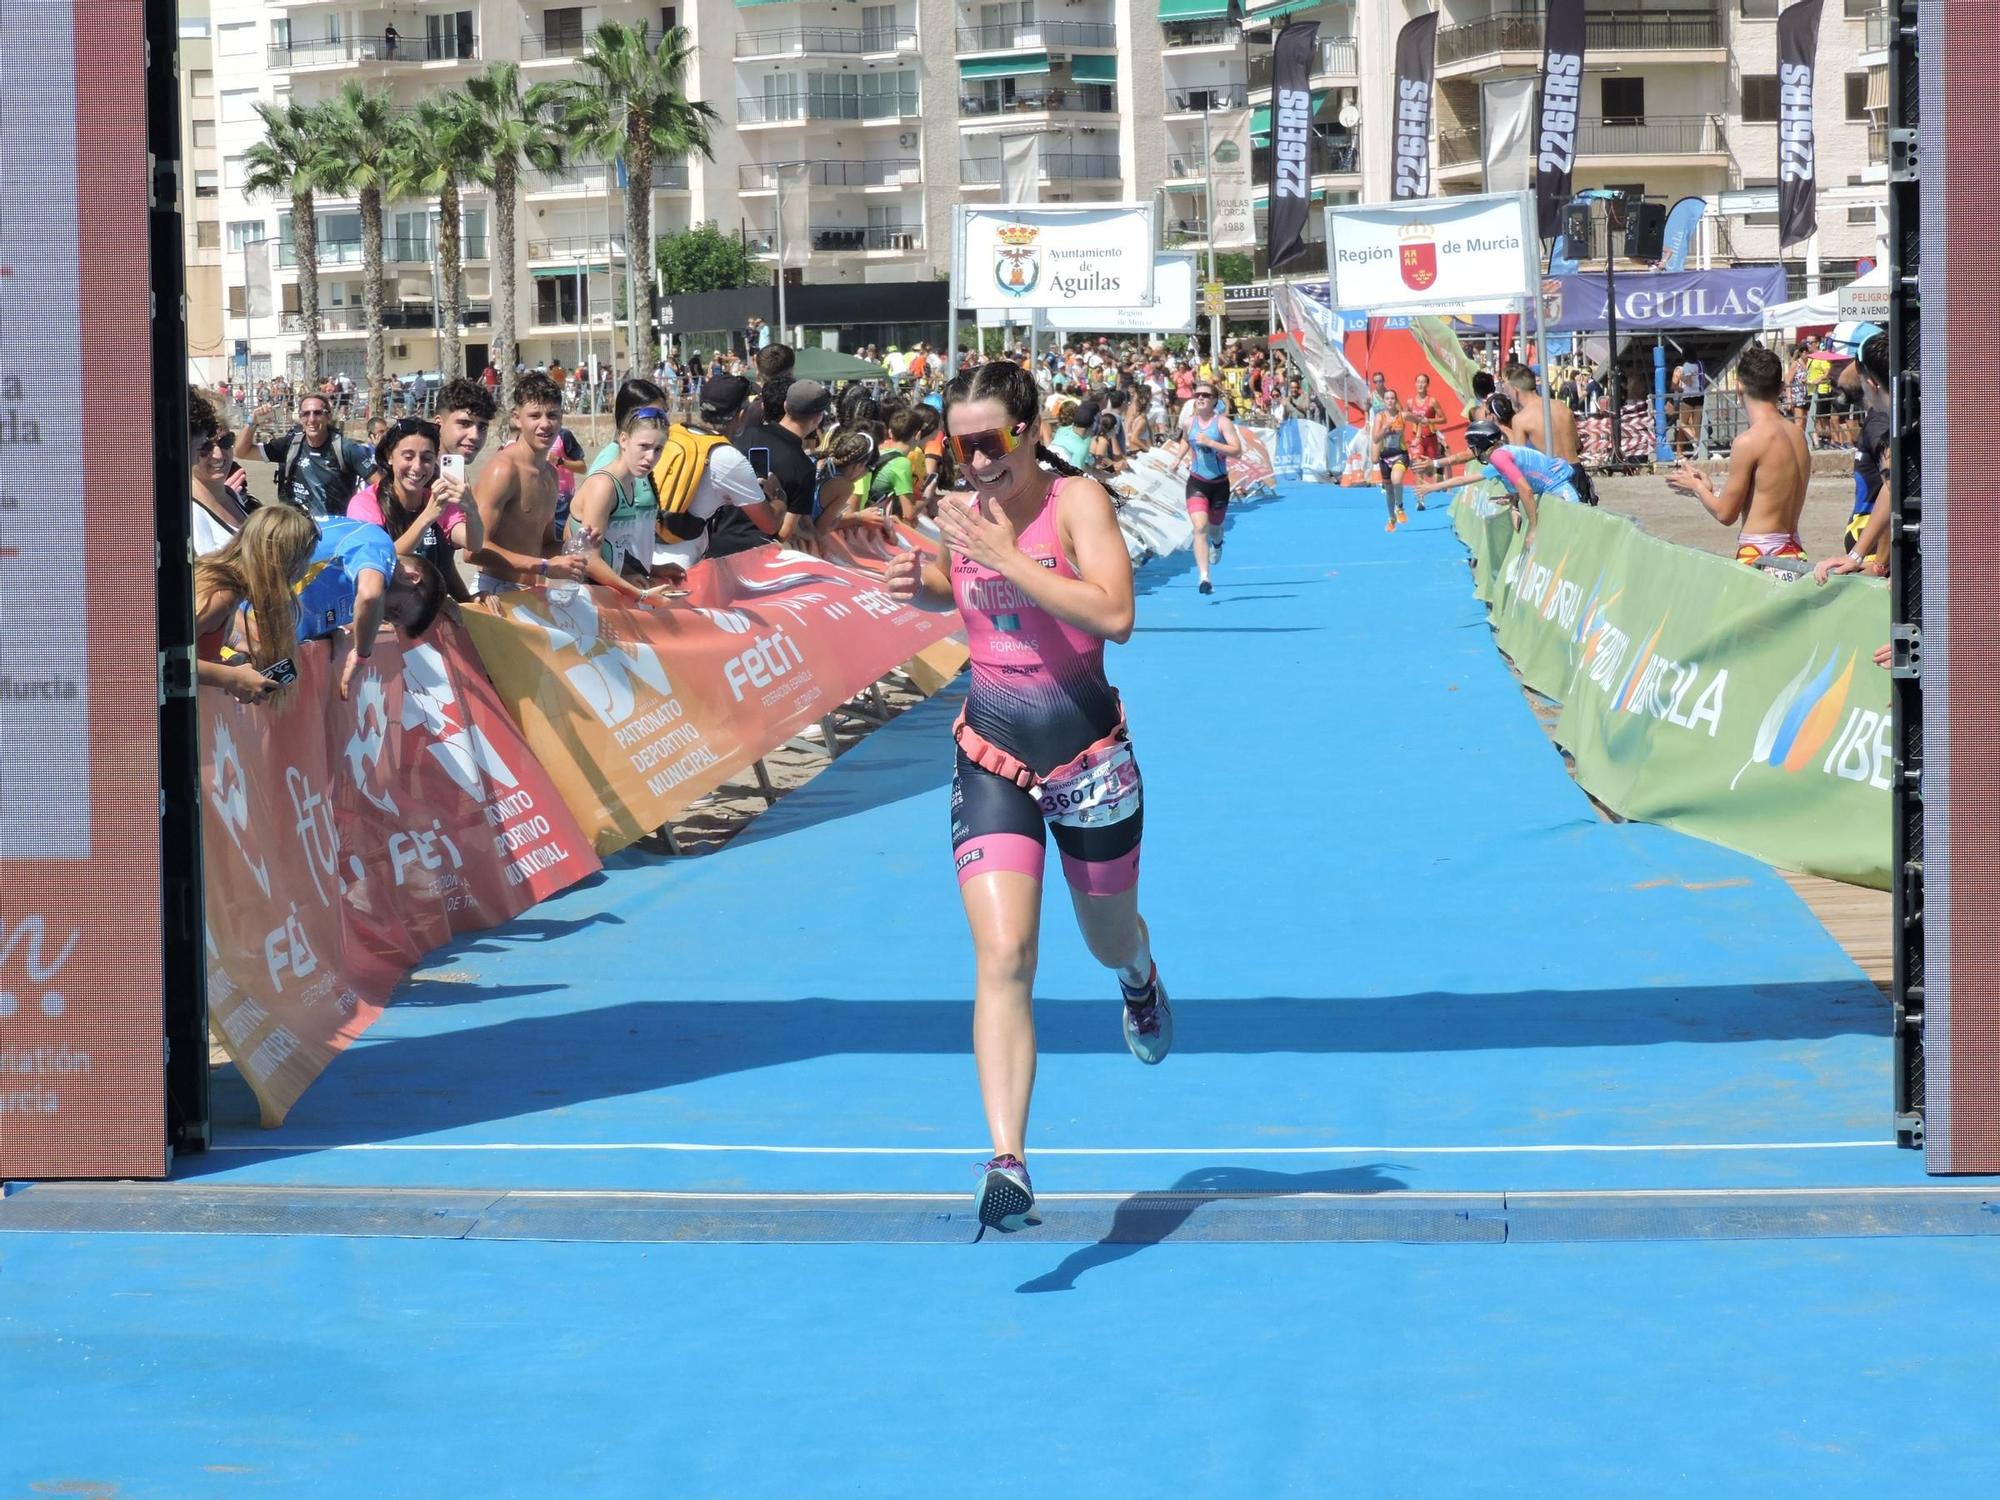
<point x="1006" y="1199"/>
<point x="1402" y="516"/>
<point x="1392" y="524"/>
<point x="1149" y="1020"/>
<point x="1207" y="587"/>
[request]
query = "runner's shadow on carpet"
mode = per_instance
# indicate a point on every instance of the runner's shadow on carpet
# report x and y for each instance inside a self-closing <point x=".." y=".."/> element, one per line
<point x="1147" y="1219"/>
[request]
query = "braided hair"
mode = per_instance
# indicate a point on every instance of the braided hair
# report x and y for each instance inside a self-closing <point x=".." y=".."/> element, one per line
<point x="1015" y="389"/>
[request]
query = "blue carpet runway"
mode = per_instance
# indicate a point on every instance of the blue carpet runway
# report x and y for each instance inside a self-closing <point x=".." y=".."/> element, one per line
<point x="1407" y="959"/>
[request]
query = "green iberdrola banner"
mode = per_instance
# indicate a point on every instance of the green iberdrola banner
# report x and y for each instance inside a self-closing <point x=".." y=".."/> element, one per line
<point x="1696" y="692"/>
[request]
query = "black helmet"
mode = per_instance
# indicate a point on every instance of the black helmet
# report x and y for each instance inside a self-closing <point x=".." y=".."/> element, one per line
<point x="1483" y="437"/>
<point x="1502" y="405"/>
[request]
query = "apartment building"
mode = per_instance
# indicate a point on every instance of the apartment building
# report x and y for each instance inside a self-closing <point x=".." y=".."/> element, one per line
<point x="208" y="340"/>
<point x="898" y="111"/>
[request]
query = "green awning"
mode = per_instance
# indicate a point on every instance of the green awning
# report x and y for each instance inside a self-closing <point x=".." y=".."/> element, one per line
<point x="1011" y="66"/>
<point x="568" y="273"/>
<point x="1260" y="120"/>
<point x="1263" y="199"/>
<point x="1260" y="117"/>
<point x="1093" y="69"/>
<point x="1280" y="8"/>
<point x="1193" y="10"/>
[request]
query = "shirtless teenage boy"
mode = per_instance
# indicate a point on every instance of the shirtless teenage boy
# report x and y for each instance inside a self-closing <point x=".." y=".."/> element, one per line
<point x="1768" y="469"/>
<point x="516" y="498"/>
<point x="1526" y="428"/>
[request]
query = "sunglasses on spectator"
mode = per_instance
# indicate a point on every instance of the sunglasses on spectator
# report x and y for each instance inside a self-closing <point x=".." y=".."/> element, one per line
<point x="996" y="444"/>
<point x="649" y="411"/>
<point x="311" y="411"/>
<point x="1204" y="395"/>
<point x="222" y="440"/>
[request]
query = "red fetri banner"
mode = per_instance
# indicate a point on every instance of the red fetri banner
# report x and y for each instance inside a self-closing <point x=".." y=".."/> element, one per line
<point x="637" y="712"/>
<point x="346" y="840"/>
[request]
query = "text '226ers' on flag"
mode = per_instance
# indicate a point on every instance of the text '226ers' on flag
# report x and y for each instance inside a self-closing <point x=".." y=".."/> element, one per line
<point x="637" y="712"/>
<point x="1798" y="170"/>
<point x="346" y="840"/>
<point x="1562" y="109"/>
<point x="1416" y="61"/>
<point x="1291" y="139"/>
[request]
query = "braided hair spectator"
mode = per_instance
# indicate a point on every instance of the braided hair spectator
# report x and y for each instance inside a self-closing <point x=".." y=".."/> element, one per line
<point x="244" y="603"/>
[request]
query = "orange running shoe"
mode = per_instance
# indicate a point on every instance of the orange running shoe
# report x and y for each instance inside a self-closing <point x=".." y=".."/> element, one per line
<point x="1392" y="524"/>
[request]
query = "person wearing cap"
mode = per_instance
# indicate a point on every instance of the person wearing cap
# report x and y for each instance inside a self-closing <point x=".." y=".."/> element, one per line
<point x="806" y="405"/>
<point x="731" y="510"/>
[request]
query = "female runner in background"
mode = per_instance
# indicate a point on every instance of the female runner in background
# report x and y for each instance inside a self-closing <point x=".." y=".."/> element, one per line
<point x="1037" y="567"/>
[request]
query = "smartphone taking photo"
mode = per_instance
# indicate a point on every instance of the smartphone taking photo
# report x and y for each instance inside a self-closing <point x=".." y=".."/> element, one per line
<point x="760" y="462"/>
<point x="282" y="672"/>
<point x="452" y="466"/>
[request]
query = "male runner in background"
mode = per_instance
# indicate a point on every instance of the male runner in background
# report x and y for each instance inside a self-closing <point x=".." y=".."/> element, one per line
<point x="1765" y="492"/>
<point x="516" y="500"/>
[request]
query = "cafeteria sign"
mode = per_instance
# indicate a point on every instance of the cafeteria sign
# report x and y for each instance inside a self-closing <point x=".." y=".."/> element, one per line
<point x="1020" y="256"/>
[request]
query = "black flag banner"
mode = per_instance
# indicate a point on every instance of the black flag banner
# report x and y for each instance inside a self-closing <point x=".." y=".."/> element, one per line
<point x="1416" y="60"/>
<point x="1562" y="107"/>
<point x="1798" y="175"/>
<point x="1291" y="139"/>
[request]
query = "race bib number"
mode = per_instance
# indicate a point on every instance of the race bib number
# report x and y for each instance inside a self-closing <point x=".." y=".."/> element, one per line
<point x="1102" y="791"/>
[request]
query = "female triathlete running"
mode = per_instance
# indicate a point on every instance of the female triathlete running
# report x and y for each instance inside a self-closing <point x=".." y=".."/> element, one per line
<point x="1038" y="569"/>
<point x="1426" y="416"/>
<point x="1390" y="459"/>
<point x="1210" y="437"/>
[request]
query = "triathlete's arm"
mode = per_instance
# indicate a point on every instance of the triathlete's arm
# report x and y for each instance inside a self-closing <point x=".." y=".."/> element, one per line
<point x="1100" y="601"/>
<point x="922" y="581"/>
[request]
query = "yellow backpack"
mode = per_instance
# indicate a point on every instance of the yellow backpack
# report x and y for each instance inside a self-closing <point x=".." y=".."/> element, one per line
<point x="682" y="462"/>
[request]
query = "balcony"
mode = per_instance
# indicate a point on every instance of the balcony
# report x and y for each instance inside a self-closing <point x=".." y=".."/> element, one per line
<point x="1337" y="58"/>
<point x="1199" y="34"/>
<point x="588" y="178"/>
<point x="822" y="41"/>
<point x="1212" y="96"/>
<point x="336" y="52"/>
<point x="1092" y="99"/>
<point x="415" y="250"/>
<point x="550" y="319"/>
<point x="901" y="171"/>
<point x="1878" y="145"/>
<point x="593" y="249"/>
<point x="1635" y="31"/>
<point x="1330" y="156"/>
<point x="553" y="46"/>
<point x="1036" y="35"/>
<point x="781" y="109"/>
<point x="414" y="315"/>
<point x="846" y="239"/>
<point x="1656" y="135"/>
<point x="984" y="171"/>
<point x="1179" y="232"/>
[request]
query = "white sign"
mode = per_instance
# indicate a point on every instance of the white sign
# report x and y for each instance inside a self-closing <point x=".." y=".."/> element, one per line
<point x="1021" y="257"/>
<point x="1232" y="218"/>
<point x="1171" y="310"/>
<point x="1864" y="304"/>
<point x="1739" y="202"/>
<point x="1432" y="251"/>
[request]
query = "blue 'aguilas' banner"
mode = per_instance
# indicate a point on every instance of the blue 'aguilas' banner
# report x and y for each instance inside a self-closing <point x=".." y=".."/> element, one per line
<point x="1291" y="139"/>
<point x="1721" y="300"/>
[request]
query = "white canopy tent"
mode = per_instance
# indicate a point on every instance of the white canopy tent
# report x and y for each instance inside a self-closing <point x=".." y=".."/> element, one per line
<point x="1820" y="311"/>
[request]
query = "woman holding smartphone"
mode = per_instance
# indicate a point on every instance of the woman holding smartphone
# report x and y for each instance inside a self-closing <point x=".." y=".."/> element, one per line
<point x="1037" y="567"/>
<point x="246" y="617"/>
<point x="417" y="503"/>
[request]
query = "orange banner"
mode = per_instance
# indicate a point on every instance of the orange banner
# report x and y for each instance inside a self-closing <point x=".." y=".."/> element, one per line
<point x="343" y="841"/>
<point x="637" y="712"/>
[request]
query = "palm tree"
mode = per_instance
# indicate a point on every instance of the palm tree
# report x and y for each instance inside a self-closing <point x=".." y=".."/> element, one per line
<point x="631" y="106"/>
<point x="439" y="148"/>
<point x="362" y="145"/>
<point x="291" y="161"/>
<point x="505" y="128"/>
